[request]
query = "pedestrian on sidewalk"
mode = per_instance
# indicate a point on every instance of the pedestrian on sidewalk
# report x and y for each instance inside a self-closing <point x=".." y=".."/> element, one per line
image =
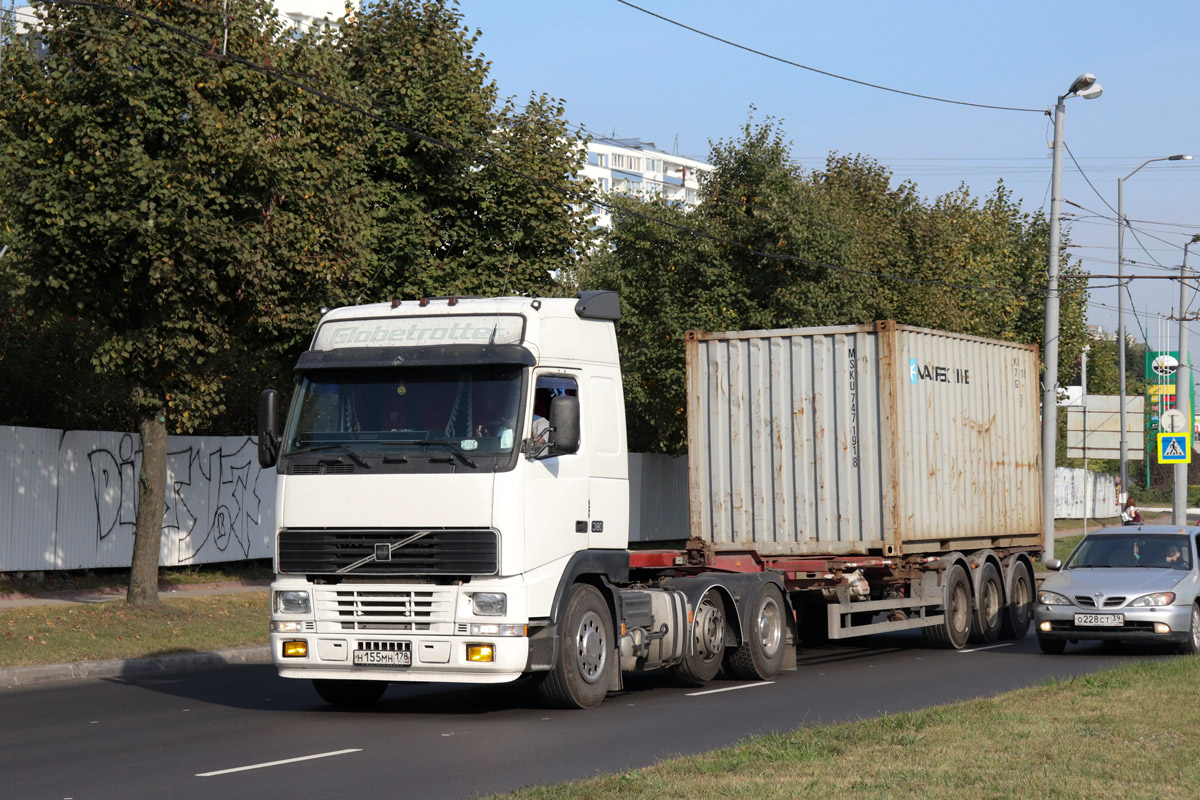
<point x="1130" y="514"/>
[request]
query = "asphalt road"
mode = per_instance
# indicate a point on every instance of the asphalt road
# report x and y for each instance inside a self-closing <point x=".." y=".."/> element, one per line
<point x="244" y="732"/>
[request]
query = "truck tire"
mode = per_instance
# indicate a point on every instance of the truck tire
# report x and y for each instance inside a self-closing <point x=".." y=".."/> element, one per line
<point x="1018" y="613"/>
<point x="349" y="694"/>
<point x="988" y="615"/>
<point x="708" y="641"/>
<point x="584" y="667"/>
<point x="760" y="655"/>
<point x="955" y="629"/>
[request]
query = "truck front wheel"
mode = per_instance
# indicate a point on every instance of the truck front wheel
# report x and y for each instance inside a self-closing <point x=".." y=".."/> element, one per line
<point x="760" y="655"/>
<point x="708" y="641"/>
<point x="583" y="670"/>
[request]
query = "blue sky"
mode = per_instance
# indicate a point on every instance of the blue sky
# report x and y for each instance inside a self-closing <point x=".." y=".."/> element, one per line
<point x="622" y="71"/>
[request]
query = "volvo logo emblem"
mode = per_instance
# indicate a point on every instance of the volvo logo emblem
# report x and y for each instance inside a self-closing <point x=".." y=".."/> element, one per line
<point x="383" y="551"/>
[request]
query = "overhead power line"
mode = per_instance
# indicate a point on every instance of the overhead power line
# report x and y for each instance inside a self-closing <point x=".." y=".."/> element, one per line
<point x="821" y="71"/>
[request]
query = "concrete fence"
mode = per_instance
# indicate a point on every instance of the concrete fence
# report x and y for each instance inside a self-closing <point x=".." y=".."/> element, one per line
<point x="68" y="499"/>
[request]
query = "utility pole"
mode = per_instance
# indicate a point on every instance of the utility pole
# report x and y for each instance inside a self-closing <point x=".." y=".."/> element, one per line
<point x="1084" y="86"/>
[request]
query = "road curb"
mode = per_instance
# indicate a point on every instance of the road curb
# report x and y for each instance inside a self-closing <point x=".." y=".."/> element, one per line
<point x="24" y="677"/>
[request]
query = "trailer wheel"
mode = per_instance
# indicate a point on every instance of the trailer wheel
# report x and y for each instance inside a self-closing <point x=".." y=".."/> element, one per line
<point x="708" y="641"/>
<point x="349" y="694"/>
<point x="760" y="655"/>
<point x="583" y="670"/>
<point x="988" y="614"/>
<point x="1019" y="611"/>
<point x="955" y="628"/>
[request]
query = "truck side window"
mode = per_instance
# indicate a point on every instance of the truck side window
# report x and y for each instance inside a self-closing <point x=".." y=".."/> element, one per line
<point x="546" y="388"/>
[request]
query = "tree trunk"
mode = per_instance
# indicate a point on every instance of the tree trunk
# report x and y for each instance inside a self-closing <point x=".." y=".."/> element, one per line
<point x="152" y="486"/>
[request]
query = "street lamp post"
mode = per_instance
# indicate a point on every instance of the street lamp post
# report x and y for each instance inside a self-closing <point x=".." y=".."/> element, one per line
<point x="1183" y="394"/>
<point x="1084" y="86"/>
<point x="1121" y="223"/>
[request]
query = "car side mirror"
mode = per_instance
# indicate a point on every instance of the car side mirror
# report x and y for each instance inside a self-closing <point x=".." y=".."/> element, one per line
<point x="564" y="424"/>
<point x="268" y="428"/>
<point x="1053" y="564"/>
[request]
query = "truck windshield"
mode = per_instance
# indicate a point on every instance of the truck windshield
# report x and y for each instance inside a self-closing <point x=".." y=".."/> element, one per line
<point x="443" y="411"/>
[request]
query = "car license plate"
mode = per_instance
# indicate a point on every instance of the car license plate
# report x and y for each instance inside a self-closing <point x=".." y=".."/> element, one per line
<point x="383" y="658"/>
<point x="1100" y="620"/>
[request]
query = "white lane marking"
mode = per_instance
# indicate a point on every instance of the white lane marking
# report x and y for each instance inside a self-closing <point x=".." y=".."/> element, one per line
<point x="277" y="763"/>
<point x="989" y="647"/>
<point x="731" y="688"/>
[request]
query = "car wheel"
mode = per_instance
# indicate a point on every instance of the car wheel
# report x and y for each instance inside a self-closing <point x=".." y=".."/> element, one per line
<point x="1191" y="645"/>
<point x="1052" y="647"/>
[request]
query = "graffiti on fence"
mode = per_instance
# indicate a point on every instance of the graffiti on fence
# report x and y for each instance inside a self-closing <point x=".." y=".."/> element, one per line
<point x="213" y="499"/>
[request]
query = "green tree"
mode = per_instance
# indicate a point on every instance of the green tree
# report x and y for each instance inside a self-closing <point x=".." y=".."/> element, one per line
<point x="467" y="198"/>
<point x="195" y="211"/>
<point x="772" y="246"/>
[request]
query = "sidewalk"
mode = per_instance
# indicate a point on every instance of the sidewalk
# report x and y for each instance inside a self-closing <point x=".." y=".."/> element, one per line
<point x="20" y="677"/>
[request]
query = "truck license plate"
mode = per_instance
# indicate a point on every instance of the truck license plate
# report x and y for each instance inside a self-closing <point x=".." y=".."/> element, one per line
<point x="1100" y="620"/>
<point x="383" y="658"/>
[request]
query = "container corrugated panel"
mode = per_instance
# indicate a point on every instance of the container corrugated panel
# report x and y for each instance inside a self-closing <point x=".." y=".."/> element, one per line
<point x="877" y="438"/>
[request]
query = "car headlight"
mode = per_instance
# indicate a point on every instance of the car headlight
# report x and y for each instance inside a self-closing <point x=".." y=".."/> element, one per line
<point x="293" y="602"/>
<point x="490" y="604"/>
<point x="1155" y="599"/>
<point x="1052" y="599"/>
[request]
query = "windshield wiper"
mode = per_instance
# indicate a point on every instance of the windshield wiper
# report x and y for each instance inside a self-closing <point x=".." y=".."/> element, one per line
<point x="455" y="449"/>
<point x="345" y="448"/>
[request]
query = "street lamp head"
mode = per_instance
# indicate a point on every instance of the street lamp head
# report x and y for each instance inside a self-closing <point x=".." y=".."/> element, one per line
<point x="1180" y="157"/>
<point x="1085" y="86"/>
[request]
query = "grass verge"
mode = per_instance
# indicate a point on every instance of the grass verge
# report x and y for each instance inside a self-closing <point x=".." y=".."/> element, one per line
<point x="1132" y="732"/>
<point x="67" y="633"/>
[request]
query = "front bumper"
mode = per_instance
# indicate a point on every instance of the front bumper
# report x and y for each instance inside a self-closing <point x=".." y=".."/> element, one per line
<point x="434" y="625"/>
<point x="434" y="658"/>
<point x="1140" y="624"/>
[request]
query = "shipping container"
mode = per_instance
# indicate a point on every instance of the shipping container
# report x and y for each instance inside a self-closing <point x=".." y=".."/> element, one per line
<point x="879" y="439"/>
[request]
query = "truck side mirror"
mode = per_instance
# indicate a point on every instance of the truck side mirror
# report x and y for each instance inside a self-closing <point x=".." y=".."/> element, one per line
<point x="268" y="428"/>
<point x="564" y="424"/>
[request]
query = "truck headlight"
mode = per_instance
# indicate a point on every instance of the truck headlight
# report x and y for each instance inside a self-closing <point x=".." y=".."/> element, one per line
<point x="489" y="604"/>
<point x="293" y="602"/>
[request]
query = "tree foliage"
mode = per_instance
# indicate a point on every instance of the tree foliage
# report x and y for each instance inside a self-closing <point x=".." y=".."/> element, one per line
<point x="184" y="184"/>
<point x="773" y="246"/>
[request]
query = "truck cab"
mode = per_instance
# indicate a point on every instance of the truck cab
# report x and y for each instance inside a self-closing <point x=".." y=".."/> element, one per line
<point x="447" y="467"/>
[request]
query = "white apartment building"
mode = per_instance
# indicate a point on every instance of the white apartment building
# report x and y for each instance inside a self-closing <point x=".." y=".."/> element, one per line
<point x="300" y="15"/>
<point x="634" y="167"/>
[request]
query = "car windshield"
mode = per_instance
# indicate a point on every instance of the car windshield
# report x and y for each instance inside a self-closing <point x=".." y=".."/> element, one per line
<point x="441" y="411"/>
<point x="1131" y="550"/>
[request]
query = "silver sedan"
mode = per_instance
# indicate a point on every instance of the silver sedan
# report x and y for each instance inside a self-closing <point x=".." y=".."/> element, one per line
<point x="1129" y="584"/>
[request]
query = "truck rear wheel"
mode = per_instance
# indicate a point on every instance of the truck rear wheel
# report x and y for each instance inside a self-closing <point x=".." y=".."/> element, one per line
<point x="761" y="653"/>
<point x="955" y="628"/>
<point x="583" y="670"/>
<point x="708" y="641"/>
<point x="349" y="694"/>
<point x="1019" y="611"/>
<point x="988" y="614"/>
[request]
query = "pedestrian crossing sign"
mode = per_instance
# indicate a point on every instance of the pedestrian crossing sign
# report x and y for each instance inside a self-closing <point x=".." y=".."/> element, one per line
<point x="1174" y="448"/>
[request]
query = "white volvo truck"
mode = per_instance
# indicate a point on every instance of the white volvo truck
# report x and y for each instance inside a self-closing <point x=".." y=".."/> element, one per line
<point x="453" y="506"/>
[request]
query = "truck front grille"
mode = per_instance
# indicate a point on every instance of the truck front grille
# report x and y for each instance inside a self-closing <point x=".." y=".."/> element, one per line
<point x="348" y="609"/>
<point x="389" y="551"/>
